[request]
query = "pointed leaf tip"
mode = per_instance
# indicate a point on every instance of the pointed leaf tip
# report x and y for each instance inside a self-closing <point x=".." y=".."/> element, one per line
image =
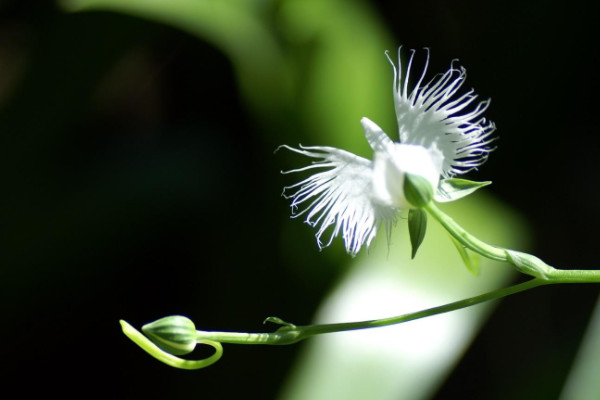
<point x="455" y="188"/>
<point x="417" y="226"/>
<point x="470" y="260"/>
<point x="278" y="321"/>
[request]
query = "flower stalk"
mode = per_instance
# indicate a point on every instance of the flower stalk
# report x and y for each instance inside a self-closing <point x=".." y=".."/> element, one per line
<point x="288" y="333"/>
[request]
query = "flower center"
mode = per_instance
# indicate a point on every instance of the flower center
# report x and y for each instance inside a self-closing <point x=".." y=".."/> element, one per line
<point x="391" y="166"/>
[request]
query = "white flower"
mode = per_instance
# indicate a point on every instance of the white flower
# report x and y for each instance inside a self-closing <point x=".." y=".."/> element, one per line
<point x="354" y="196"/>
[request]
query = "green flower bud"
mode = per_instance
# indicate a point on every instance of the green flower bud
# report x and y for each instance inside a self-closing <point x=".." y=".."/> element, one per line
<point x="175" y="334"/>
<point x="417" y="190"/>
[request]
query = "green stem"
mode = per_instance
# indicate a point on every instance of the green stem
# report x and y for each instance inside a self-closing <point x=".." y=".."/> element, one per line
<point x="464" y="237"/>
<point x="289" y="334"/>
<point x="574" y="276"/>
<point x="523" y="262"/>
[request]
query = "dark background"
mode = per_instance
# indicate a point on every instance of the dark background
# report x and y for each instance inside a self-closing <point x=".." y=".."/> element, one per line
<point x="134" y="186"/>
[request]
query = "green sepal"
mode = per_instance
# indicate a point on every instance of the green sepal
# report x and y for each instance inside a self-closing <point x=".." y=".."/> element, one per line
<point x="417" y="225"/>
<point x="417" y="190"/>
<point x="471" y="260"/>
<point x="454" y="189"/>
<point x="175" y="334"/>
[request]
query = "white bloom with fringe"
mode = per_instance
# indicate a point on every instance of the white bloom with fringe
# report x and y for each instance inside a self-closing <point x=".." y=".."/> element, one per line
<point x="354" y="196"/>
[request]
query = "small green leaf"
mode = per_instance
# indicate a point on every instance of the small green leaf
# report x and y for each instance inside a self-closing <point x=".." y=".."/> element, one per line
<point x="454" y="189"/>
<point x="417" y="225"/>
<point x="471" y="260"/>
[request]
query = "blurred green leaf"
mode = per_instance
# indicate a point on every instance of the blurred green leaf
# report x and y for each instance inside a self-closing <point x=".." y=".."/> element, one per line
<point x="406" y="361"/>
<point x="237" y="27"/>
<point x="347" y="76"/>
<point x="328" y="66"/>
<point x="583" y="382"/>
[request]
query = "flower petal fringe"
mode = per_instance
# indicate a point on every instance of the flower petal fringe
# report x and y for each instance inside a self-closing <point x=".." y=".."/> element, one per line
<point x="428" y="115"/>
<point x="353" y="197"/>
<point x="339" y="197"/>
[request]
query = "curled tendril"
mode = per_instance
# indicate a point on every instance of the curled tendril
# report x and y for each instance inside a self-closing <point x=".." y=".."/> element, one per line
<point x="147" y="345"/>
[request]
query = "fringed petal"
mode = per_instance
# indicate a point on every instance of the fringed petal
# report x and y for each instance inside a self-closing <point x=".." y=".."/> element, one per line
<point x="353" y="196"/>
<point x="428" y="114"/>
<point x="338" y="197"/>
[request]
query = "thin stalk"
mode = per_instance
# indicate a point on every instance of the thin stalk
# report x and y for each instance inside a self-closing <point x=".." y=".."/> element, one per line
<point x="543" y="274"/>
<point x="574" y="276"/>
<point x="523" y="262"/>
<point x="289" y="334"/>
<point x="464" y="237"/>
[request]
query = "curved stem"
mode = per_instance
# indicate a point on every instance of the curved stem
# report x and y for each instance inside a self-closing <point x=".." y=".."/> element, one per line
<point x="523" y="262"/>
<point x="457" y="305"/>
<point x="289" y="334"/>
<point x="464" y="237"/>
<point x="149" y="347"/>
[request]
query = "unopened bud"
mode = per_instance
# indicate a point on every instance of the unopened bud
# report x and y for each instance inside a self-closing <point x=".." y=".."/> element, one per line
<point x="175" y="334"/>
<point x="417" y="190"/>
